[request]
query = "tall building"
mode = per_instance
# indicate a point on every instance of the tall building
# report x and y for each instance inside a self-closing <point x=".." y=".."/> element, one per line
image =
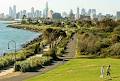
<point x="89" y="12"/>
<point x="93" y="13"/>
<point x="29" y="15"/>
<point x="37" y="13"/>
<point x="2" y="16"/>
<point x="57" y="15"/>
<point x="99" y="16"/>
<point x="118" y="15"/>
<point x="108" y="16"/>
<point x="64" y="14"/>
<point x="46" y="10"/>
<point x="10" y="12"/>
<point x="14" y="12"/>
<point x="83" y="12"/>
<point x="32" y="12"/>
<point x="71" y="14"/>
<point x="18" y="15"/>
<point x="78" y="13"/>
<point x="24" y="12"/>
<point x="50" y="14"/>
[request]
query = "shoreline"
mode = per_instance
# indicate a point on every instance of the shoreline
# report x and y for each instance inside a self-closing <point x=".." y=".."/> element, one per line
<point x="27" y="43"/>
<point x="25" y="27"/>
<point x="38" y="38"/>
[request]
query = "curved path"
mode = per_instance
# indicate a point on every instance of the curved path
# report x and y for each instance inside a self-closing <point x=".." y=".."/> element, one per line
<point x="18" y="76"/>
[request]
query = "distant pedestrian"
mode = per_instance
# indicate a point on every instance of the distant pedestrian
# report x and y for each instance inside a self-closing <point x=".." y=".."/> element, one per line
<point x="102" y="72"/>
<point x="63" y="60"/>
<point x="109" y="71"/>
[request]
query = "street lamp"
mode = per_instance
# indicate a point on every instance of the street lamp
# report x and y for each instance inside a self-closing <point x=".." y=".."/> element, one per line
<point x="12" y="41"/>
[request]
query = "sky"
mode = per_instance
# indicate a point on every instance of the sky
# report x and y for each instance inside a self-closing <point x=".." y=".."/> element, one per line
<point x="103" y="6"/>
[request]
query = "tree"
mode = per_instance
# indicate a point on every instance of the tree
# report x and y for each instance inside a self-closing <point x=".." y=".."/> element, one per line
<point x="29" y="20"/>
<point x="24" y="19"/>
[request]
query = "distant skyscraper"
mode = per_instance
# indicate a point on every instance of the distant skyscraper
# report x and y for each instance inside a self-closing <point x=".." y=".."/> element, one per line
<point x="93" y="13"/>
<point x="78" y="13"/>
<point x="83" y="12"/>
<point x="46" y="10"/>
<point x="14" y="11"/>
<point x="10" y="11"/>
<point x="32" y="12"/>
<point x="43" y="13"/>
<point x="2" y="16"/>
<point x="118" y="15"/>
<point x="50" y="14"/>
<point x="37" y="13"/>
<point x="71" y="14"/>
<point x="18" y="15"/>
<point x="21" y="14"/>
<point x="29" y="15"/>
<point x="24" y="12"/>
<point x="108" y="16"/>
<point x="89" y="12"/>
<point x="64" y="14"/>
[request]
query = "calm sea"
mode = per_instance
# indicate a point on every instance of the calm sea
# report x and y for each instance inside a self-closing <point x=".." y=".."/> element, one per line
<point x="20" y="36"/>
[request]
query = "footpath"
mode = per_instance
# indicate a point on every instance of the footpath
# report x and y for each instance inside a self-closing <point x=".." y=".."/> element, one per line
<point x="9" y="75"/>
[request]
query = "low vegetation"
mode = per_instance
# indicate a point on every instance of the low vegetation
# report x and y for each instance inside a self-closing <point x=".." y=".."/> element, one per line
<point x="32" y="64"/>
<point x="56" y="38"/>
<point x="100" y="40"/>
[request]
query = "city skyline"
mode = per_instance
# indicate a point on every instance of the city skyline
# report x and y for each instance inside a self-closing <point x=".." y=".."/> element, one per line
<point x="103" y="6"/>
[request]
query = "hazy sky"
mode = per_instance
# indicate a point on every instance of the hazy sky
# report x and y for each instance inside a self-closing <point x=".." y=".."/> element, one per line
<point x="104" y="6"/>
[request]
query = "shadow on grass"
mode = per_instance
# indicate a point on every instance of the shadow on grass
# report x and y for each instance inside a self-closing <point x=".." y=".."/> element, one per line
<point x="90" y="57"/>
<point x="116" y="77"/>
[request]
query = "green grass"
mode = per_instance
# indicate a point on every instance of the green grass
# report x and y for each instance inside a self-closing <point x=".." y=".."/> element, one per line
<point x="81" y="70"/>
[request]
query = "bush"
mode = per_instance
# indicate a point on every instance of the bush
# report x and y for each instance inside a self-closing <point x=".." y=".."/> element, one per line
<point x="117" y="29"/>
<point x="114" y="50"/>
<point x="115" y="38"/>
<point x="6" y="61"/>
<point x="9" y="59"/>
<point x="32" y="64"/>
<point x="51" y="53"/>
<point x="60" y="51"/>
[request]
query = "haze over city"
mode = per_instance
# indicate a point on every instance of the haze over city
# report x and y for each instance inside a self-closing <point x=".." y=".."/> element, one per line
<point x="59" y="40"/>
<point x="103" y="6"/>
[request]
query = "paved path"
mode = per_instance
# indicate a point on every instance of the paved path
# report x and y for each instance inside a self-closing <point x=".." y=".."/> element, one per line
<point x="10" y="69"/>
<point x="7" y="71"/>
<point x="17" y="76"/>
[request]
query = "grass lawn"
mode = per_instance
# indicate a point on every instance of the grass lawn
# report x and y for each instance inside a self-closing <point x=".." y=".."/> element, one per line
<point x="81" y="70"/>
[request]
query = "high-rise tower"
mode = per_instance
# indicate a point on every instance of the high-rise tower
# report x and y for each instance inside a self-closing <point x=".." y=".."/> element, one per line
<point x="10" y="12"/>
<point x="14" y="11"/>
<point x="46" y="10"/>
<point x="32" y="12"/>
<point x="78" y="13"/>
<point x="83" y="12"/>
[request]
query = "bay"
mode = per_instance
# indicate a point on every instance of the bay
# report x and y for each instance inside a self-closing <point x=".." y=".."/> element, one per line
<point x="18" y="35"/>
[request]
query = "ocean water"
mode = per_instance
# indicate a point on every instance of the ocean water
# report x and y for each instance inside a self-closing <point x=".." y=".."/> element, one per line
<point x="18" y="35"/>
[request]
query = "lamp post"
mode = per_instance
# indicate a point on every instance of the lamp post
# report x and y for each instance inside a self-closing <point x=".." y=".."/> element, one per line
<point x="12" y="41"/>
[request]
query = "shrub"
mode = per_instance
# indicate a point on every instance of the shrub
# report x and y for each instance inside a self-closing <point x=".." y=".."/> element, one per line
<point x="114" y="50"/>
<point x="115" y="38"/>
<point x="9" y="59"/>
<point x="6" y="61"/>
<point x="60" y="51"/>
<point x="117" y="29"/>
<point x="31" y="64"/>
